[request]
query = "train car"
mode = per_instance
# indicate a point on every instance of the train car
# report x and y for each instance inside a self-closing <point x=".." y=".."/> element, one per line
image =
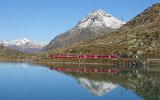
<point x="85" y="56"/>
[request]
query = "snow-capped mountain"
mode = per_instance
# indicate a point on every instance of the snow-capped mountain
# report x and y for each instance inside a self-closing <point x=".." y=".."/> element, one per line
<point x="100" y="18"/>
<point x="97" y="88"/>
<point x="96" y="23"/>
<point x="23" y="45"/>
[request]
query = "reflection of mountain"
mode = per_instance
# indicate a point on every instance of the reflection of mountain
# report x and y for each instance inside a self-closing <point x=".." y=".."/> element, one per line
<point x="144" y="81"/>
<point x="23" y="65"/>
<point x="95" y="87"/>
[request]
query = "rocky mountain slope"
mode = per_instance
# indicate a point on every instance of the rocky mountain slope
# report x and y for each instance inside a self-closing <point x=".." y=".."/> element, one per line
<point x="139" y="36"/>
<point x="23" y="45"/>
<point x="95" y="24"/>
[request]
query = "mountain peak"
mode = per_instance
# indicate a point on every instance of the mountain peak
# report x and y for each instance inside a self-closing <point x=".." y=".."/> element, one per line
<point x="24" y="40"/>
<point x="98" y="12"/>
<point x="100" y="18"/>
<point x="95" y="24"/>
<point x="20" y="41"/>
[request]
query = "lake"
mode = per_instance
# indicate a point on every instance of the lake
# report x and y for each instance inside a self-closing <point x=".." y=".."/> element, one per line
<point x="24" y="81"/>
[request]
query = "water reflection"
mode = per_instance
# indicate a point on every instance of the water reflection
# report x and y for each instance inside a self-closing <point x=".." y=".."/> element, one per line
<point x="144" y="81"/>
<point x="85" y="70"/>
<point x="97" y="88"/>
<point x="62" y="82"/>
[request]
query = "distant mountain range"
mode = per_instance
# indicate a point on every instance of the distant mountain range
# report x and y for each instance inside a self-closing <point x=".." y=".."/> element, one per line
<point x="95" y="24"/>
<point x="23" y="45"/>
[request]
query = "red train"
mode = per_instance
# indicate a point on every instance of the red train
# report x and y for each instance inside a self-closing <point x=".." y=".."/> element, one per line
<point x="84" y="56"/>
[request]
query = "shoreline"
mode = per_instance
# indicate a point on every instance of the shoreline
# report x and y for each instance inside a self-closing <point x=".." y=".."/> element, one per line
<point x="107" y="62"/>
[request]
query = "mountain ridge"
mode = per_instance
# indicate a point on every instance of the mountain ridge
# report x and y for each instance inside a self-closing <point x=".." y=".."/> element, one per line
<point x="93" y="25"/>
<point x="23" y="45"/>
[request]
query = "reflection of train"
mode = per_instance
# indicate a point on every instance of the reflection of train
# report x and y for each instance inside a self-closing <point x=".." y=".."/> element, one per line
<point x="84" y="56"/>
<point x="87" y="70"/>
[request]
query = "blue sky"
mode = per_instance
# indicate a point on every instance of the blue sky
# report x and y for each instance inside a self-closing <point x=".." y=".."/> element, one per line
<point x="42" y="20"/>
